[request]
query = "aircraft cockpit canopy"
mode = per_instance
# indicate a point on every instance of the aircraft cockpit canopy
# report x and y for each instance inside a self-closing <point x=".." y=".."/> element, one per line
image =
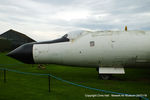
<point x="74" y="34"/>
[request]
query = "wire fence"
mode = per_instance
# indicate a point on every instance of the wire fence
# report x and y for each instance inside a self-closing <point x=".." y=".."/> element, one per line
<point x="69" y="82"/>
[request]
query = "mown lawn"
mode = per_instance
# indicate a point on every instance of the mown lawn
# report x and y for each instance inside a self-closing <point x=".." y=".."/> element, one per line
<point x="29" y="87"/>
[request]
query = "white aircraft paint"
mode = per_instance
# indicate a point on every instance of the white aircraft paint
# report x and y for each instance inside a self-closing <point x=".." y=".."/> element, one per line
<point x="98" y="49"/>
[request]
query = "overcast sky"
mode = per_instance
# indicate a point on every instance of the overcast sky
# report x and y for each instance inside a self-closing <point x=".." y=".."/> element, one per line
<point x="49" y="19"/>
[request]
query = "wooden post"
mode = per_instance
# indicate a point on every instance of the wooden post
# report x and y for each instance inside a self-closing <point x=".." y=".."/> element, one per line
<point x="4" y="75"/>
<point x="49" y="83"/>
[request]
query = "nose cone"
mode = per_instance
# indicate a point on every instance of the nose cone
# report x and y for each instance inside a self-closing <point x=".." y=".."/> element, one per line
<point x="23" y="53"/>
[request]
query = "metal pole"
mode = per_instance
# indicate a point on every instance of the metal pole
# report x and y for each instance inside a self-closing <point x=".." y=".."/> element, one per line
<point x="49" y="83"/>
<point x="4" y="75"/>
<point x="140" y="98"/>
<point x="0" y="75"/>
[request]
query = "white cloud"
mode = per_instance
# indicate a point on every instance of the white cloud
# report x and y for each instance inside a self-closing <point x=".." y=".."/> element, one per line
<point x="69" y="15"/>
<point x="48" y="19"/>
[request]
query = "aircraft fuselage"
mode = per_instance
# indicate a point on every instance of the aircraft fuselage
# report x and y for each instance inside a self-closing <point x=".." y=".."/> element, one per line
<point x="91" y="49"/>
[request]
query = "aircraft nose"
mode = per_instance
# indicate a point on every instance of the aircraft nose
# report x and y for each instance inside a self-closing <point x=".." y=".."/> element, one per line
<point x="23" y="53"/>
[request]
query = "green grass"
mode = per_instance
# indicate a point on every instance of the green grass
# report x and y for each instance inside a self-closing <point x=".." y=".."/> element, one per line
<point x="29" y="87"/>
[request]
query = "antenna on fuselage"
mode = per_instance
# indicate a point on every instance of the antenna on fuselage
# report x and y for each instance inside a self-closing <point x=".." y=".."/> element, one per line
<point x="126" y="28"/>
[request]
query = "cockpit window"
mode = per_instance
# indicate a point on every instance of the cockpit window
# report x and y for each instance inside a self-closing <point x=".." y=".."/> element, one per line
<point x="66" y="38"/>
<point x="66" y="35"/>
<point x="74" y="34"/>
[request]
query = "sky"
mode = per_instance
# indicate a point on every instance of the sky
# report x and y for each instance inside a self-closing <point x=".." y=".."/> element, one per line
<point x="50" y="19"/>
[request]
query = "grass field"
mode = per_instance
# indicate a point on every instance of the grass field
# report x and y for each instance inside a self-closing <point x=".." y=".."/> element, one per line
<point x="29" y="87"/>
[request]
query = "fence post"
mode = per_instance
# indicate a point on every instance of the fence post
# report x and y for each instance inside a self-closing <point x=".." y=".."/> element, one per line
<point x="140" y="98"/>
<point x="4" y="75"/>
<point x="49" y="82"/>
<point x="1" y="72"/>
